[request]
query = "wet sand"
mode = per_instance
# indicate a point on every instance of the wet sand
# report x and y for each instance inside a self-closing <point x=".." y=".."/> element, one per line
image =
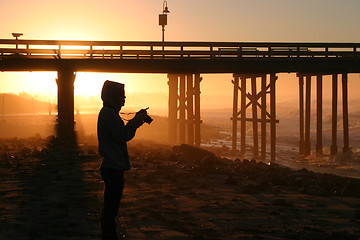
<point x="53" y="190"/>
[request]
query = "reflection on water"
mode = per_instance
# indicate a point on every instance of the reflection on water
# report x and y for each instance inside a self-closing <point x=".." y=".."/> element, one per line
<point x="344" y="164"/>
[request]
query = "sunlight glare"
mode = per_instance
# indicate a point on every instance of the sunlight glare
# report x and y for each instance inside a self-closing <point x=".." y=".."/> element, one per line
<point x="40" y="84"/>
<point x="90" y="84"/>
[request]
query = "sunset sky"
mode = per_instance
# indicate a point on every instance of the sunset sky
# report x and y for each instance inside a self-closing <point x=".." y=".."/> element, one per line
<point x="195" y="20"/>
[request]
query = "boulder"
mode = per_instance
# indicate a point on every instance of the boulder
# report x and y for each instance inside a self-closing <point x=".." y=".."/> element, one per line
<point x="351" y="189"/>
<point x="192" y="151"/>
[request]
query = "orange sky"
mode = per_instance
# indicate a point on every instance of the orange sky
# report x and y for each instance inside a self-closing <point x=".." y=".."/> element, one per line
<point x="200" y="20"/>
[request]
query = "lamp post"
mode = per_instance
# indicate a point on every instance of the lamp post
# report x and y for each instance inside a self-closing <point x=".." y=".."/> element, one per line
<point x="16" y="36"/>
<point x="163" y="21"/>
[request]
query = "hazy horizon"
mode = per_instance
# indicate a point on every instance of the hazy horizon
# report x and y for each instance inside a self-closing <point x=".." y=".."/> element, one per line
<point x="216" y="90"/>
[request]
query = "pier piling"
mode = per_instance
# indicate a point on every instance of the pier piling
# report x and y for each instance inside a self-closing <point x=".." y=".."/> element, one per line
<point x="345" y="112"/>
<point x="334" y="148"/>
<point x="184" y="98"/>
<point x="265" y="117"/>
<point x="319" y="145"/>
<point x="304" y="142"/>
<point x="65" y="82"/>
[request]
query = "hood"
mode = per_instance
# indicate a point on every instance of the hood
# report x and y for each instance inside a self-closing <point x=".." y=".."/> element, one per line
<point x="113" y="93"/>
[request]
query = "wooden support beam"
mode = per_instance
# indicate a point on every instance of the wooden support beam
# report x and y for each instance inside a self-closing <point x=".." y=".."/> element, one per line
<point x="197" y="109"/>
<point x="243" y="114"/>
<point x="319" y="145"/>
<point x="307" y="115"/>
<point x="263" y="116"/>
<point x="273" y="117"/>
<point x="190" y="110"/>
<point x="243" y="110"/>
<point x="249" y="104"/>
<point x="182" y="108"/>
<point x="184" y="97"/>
<point x="266" y="113"/>
<point x="301" y="114"/>
<point x="254" y="99"/>
<point x="172" y="107"/>
<point x="334" y="148"/>
<point x="257" y="96"/>
<point x="235" y="112"/>
<point x="254" y="116"/>
<point x="345" y="112"/>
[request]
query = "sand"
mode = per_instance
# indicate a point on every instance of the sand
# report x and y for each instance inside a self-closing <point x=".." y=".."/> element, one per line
<point x="53" y="190"/>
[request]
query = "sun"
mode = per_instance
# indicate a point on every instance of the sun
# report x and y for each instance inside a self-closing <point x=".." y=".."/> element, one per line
<point x="88" y="84"/>
<point x="43" y="82"/>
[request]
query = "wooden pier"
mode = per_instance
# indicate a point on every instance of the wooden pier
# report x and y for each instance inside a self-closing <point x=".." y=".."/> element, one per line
<point x="184" y="62"/>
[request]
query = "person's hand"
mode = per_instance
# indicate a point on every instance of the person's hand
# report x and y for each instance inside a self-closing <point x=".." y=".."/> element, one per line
<point x="140" y="115"/>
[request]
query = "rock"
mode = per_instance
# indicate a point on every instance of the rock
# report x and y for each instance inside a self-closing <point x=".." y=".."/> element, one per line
<point x="246" y="162"/>
<point x="341" y="235"/>
<point x="172" y="158"/>
<point x="224" y="147"/>
<point x="262" y="166"/>
<point x="357" y="214"/>
<point x="231" y="180"/>
<point x="351" y="189"/>
<point x="191" y="151"/>
<point x="313" y="190"/>
<point x="249" y="189"/>
<point x="208" y="163"/>
<point x="283" y="203"/>
<point x="303" y="173"/>
<point x="279" y="180"/>
<point x="263" y="185"/>
<point x="323" y="193"/>
<point x="237" y="160"/>
<point x="300" y="182"/>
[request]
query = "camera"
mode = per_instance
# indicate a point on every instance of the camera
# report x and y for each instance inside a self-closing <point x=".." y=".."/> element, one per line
<point x="148" y="119"/>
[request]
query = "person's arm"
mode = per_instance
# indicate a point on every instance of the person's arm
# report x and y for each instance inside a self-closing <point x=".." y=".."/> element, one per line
<point x="118" y="131"/>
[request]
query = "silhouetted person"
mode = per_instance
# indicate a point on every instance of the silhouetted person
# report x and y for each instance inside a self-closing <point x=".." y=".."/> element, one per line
<point x="112" y="136"/>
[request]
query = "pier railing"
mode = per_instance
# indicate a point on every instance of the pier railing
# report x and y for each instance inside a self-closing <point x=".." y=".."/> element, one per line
<point x="11" y="48"/>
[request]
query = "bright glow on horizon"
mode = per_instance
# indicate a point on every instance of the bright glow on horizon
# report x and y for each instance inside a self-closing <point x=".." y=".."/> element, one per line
<point x="86" y="83"/>
<point x="34" y="83"/>
<point x="90" y="83"/>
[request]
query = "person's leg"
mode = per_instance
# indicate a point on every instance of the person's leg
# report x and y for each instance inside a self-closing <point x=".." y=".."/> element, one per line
<point x="114" y="184"/>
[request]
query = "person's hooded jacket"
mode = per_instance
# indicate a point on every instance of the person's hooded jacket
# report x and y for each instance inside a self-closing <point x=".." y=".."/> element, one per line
<point x="112" y="132"/>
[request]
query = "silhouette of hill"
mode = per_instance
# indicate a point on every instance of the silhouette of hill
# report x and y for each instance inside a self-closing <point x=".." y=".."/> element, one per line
<point x="23" y="103"/>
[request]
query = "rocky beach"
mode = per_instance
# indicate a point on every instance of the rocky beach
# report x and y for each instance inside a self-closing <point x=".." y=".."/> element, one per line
<point x="51" y="189"/>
